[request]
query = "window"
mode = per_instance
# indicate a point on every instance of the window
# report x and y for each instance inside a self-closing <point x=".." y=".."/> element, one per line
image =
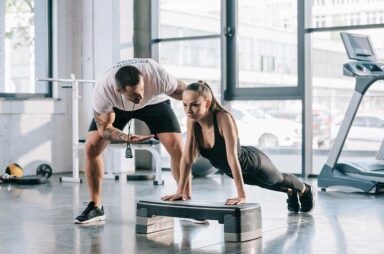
<point x="25" y="43"/>
<point x="189" y="46"/>
<point x="259" y="124"/>
<point x="182" y="18"/>
<point x="332" y="92"/>
<point x="267" y="44"/>
<point x="125" y="29"/>
<point x="347" y="13"/>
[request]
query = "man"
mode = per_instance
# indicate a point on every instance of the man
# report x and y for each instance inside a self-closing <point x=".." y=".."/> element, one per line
<point x="134" y="88"/>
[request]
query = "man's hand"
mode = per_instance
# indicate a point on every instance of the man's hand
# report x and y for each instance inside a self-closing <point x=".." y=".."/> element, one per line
<point x="133" y="138"/>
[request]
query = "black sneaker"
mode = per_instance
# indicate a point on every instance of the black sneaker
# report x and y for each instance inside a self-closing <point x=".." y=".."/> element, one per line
<point x="306" y="199"/>
<point x="293" y="202"/>
<point x="91" y="214"/>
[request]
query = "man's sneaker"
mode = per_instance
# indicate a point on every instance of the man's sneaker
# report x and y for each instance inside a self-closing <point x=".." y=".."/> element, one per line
<point x="306" y="199"/>
<point x="293" y="202"/>
<point x="91" y="214"/>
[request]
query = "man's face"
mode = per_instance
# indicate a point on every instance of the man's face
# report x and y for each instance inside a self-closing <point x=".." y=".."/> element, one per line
<point x="135" y="93"/>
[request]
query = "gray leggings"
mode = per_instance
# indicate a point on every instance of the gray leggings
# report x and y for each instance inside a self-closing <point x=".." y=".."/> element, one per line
<point x="267" y="176"/>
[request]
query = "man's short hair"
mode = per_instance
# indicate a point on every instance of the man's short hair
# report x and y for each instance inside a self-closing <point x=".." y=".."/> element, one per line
<point x="127" y="76"/>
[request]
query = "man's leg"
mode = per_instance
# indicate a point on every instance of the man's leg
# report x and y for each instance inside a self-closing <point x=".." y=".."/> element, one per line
<point x="94" y="165"/>
<point x="172" y="142"/>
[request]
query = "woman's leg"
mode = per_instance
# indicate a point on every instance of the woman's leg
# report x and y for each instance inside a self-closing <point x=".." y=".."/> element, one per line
<point x="267" y="176"/>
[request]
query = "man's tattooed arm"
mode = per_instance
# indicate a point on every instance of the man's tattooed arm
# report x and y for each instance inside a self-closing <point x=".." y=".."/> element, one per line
<point x="106" y="129"/>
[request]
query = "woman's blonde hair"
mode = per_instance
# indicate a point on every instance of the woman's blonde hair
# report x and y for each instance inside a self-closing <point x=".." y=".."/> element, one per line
<point x="203" y="89"/>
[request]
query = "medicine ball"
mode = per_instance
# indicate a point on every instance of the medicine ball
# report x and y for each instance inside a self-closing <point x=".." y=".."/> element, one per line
<point x="202" y="167"/>
<point x="14" y="169"/>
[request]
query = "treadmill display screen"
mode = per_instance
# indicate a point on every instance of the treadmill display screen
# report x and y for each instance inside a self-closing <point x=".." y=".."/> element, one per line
<point x="358" y="46"/>
<point x="361" y="46"/>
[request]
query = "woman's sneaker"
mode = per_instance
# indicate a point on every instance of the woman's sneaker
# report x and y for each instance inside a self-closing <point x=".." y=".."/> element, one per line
<point x="91" y="214"/>
<point x="306" y="199"/>
<point x="293" y="202"/>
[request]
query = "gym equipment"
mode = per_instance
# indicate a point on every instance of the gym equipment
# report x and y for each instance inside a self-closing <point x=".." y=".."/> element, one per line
<point x="14" y="169"/>
<point x="202" y="167"/>
<point x="366" y="176"/>
<point x="151" y="146"/>
<point x="14" y="174"/>
<point x="241" y="222"/>
<point x="24" y="180"/>
<point x="74" y="85"/>
<point x="44" y="170"/>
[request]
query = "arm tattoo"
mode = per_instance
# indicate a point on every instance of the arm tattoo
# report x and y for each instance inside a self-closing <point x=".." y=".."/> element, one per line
<point x="110" y="133"/>
<point x="115" y="135"/>
<point x="99" y="122"/>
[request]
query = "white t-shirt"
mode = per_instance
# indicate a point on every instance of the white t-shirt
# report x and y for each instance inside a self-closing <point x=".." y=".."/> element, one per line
<point x="157" y="84"/>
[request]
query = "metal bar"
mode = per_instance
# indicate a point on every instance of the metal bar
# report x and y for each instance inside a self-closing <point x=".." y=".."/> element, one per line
<point x="304" y="71"/>
<point x="75" y="122"/>
<point x="380" y="153"/>
<point x="342" y="134"/>
<point x="202" y="37"/>
<point x="67" y="80"/>
<point x="230" y="48"/>
<point x="343" y="28"/>
<point x="155" y="21"/>
<point x="75" y="128"/>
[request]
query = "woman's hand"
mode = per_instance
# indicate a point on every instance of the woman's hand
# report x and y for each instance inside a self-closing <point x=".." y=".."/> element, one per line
<point x="177" y="196"/>
<point x="235" y="201"/>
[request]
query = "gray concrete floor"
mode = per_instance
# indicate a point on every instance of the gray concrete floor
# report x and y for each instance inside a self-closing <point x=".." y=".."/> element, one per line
<point x="39" y="219"/>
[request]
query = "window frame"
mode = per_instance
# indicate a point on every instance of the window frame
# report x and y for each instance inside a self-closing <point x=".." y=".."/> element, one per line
<point x="43" y="48"/>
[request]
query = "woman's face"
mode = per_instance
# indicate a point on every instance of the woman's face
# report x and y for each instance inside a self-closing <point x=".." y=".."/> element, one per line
<point x="195" y="106"/>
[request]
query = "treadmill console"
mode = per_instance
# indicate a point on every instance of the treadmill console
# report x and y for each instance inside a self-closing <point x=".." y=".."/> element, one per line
<point x="359" y="47"/>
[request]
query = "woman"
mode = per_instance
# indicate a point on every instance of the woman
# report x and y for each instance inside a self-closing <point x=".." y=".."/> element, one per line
<point x="212" y="132"/>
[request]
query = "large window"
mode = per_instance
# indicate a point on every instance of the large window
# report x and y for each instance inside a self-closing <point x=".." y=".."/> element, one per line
<point x="260" y="124"/>
<point x="194" y="50"/>
<point x="331" y="13"/>
<point x="332" y="91"/>
<point x="125" y="29"/>
<point x="267" y="43"/>
<point x="25" y="45"/>
<point x="272" y="73"/>
<point x="189" y="46"/>
<point x="185" y="18"/>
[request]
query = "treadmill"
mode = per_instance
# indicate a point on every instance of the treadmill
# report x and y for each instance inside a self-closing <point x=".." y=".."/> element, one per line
<point x="365" y="176"/>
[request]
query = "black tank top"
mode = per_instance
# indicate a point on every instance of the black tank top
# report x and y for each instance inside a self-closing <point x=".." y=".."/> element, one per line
<point x="217" y="155"/>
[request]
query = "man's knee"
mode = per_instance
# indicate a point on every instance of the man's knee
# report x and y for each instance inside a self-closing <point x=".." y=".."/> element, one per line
<point x="91" y="150"/>
<point x="173" y="143"/>
<point x="94" y="145"/>
<point x="176" y="150"/>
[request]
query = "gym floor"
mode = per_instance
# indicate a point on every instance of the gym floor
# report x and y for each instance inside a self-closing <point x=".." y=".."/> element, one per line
<point x="39" y="219"/>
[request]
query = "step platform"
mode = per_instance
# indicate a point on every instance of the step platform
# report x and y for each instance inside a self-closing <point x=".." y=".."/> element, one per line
<point x="241" y="222"/>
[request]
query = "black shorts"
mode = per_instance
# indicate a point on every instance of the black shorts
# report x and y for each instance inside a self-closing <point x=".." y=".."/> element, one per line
<point x="158" y="117"/>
